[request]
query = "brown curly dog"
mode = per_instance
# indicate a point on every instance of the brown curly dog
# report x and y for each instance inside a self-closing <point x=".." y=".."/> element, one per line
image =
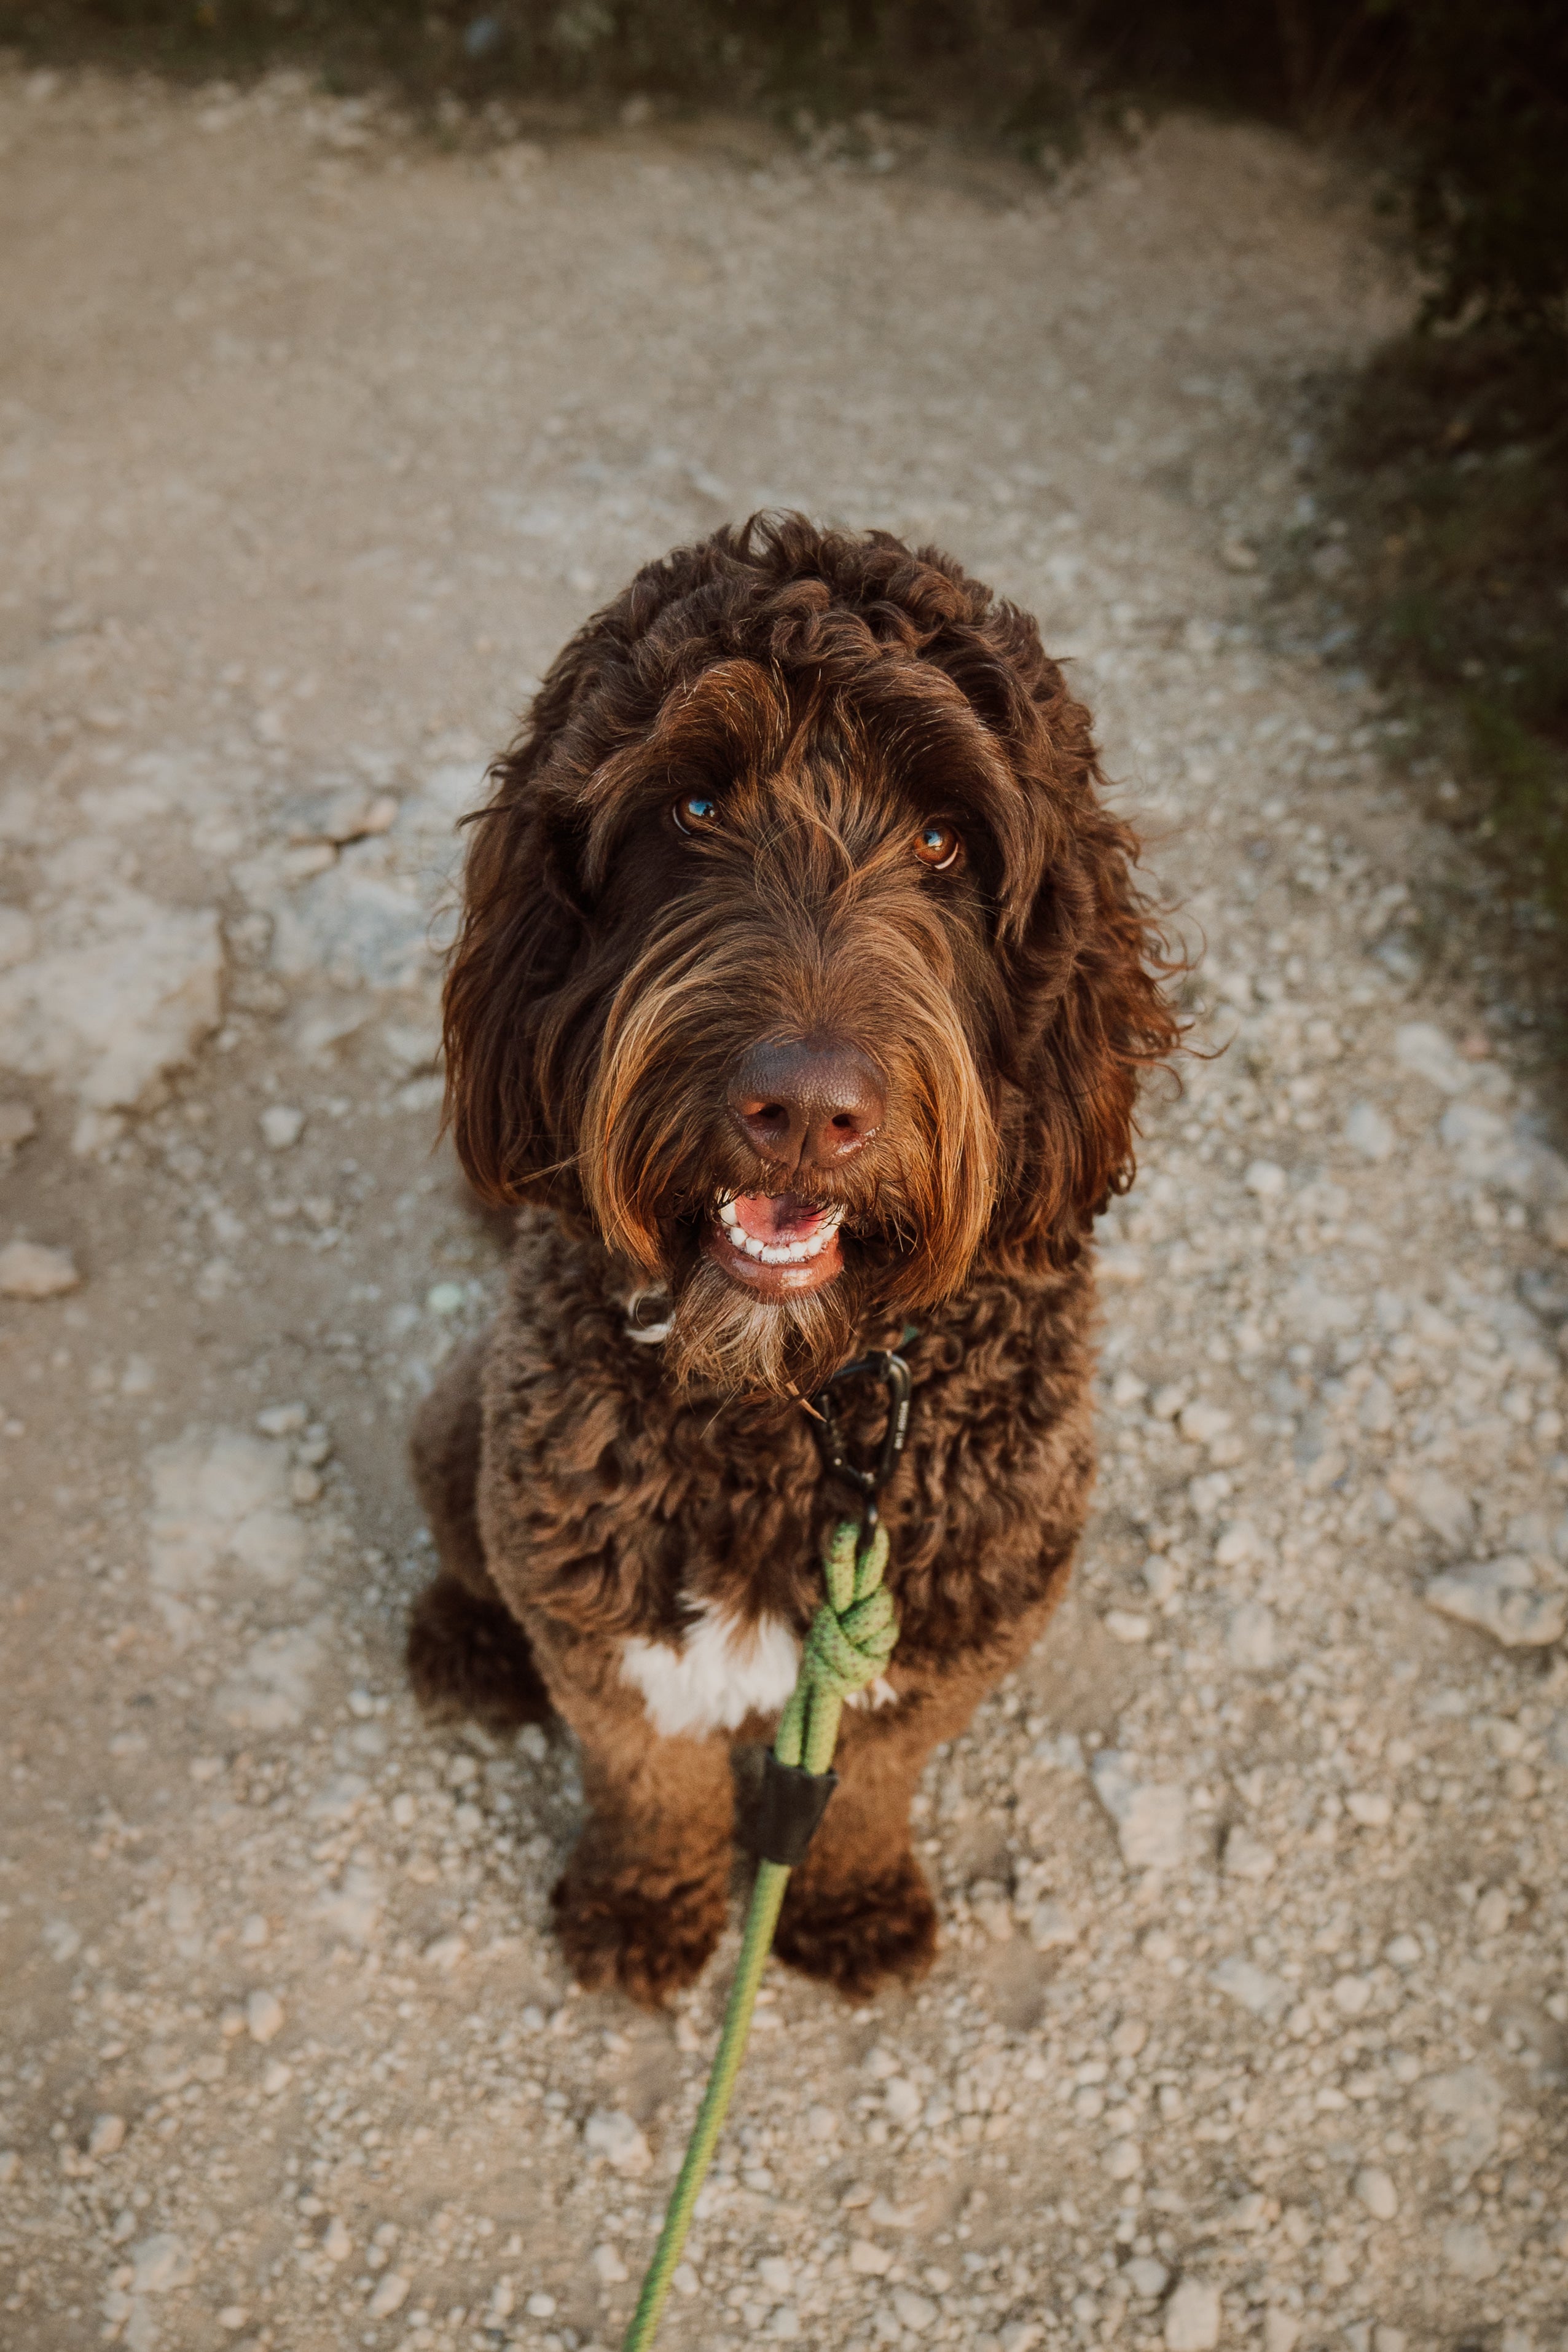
<point x="802" y="993"/>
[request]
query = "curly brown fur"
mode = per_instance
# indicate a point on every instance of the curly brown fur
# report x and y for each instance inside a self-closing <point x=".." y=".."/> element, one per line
<point x="715" y="870"/>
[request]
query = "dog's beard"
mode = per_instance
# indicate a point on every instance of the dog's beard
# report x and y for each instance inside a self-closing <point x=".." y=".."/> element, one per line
<point x="727" y="1337"/>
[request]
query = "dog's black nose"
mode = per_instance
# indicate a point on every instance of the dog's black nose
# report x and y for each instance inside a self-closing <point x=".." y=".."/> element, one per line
<point x="810" y="1103"/>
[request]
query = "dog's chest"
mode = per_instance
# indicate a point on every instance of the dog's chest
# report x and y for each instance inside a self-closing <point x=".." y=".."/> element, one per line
<point x="721" y="1673"/>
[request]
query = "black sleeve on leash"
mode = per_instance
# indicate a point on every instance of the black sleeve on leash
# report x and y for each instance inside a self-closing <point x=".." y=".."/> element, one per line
<point x="789" y="1807"/>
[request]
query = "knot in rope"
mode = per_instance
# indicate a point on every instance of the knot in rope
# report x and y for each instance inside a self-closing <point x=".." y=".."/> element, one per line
<point x="847" y="1646"/>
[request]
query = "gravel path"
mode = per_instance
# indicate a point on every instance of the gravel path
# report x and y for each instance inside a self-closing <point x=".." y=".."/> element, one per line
<point x="1249" y="2026"/>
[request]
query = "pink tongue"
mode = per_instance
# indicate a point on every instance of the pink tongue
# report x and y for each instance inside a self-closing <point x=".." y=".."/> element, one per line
<point x="782" y="1218"/>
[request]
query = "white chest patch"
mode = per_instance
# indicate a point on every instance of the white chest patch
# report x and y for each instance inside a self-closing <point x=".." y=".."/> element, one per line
<point x="721" y="1673"/>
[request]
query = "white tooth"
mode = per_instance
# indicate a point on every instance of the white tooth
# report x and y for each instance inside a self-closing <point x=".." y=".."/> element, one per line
<point x="727" y="1215"/>
<point x="793" y="1252"/>
<point x="753" y="1248"/>
<point x="813" y="1246"/>
<point x="770" y="1257"/>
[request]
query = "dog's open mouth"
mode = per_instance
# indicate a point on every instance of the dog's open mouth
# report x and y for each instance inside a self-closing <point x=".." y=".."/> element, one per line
<point x="776" y="1242"/>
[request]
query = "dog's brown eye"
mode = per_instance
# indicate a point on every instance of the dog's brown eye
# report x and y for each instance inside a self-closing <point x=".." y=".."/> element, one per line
<point x="937" y="845"/>
<point x="696" y="812"/>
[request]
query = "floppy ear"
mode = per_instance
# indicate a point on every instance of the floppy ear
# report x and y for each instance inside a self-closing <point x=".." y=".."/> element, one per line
<point x="1087" y="1015"/>
<point x="521" y="937"/>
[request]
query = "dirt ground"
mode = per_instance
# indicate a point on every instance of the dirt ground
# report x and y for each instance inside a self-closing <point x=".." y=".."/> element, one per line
<point x="1250" y="2024"/>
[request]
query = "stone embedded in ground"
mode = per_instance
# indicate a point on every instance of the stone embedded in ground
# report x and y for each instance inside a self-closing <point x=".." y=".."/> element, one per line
<point x="1252" y="1636"/>
<point x="612" y="2134"/>
<point x="281" y="1126"/>
<point x="1421" y="1046"/>
<point x="1471" y="2099"/>
<point x="1376" y="2191"/>
<point x="263" y="2016"/>
<point x="1369" y="1132"/>
<point x="109" y="1019"/>
<point x="1253" y="1987"/>
<point x="1246" y="1857"/>
<point x="160" y="2262"/>
<point x="220" y="1502"/>
<point x="1500" y="1598"/>
<point x="1151" y="1817"/>
<point x="1192" y="2319"/>
<point x="1469" y="2252"/>
<point x="1437" y="1503"/>
<point x="33" y="1270"/>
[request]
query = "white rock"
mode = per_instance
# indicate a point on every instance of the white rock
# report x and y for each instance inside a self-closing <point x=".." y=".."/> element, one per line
<point x="1253" y="1987"/>
<point x="1123" y="2159"/>
<point x="1267" y="1178"/>
<point x="1350" y="1995"/>
<point x="1246" y="1857"/>
<point x="902" y="2101"/>
<point x="1020" y="2336"/>
<point x="607" y="2266"/>
<point x="264" y="2015"/>
<point x="1471" y="2099"/>
<point x="444" y="1952"/>
<point x="1238" y="1541"/>
<point x="869" y="2260"/>
<point x="272" y="1690"/>
<point x="1439" y="1504"/>
<point x="1369" y="1808"/>
<point x="108" y="1020"/>
<point x="1499" y="1596"/>
<point x="1368" y="1132"/>
<point x="685" y="2279"/>
<point x="10" y="2167"/>
<point x="281" y="1126"/>
<point x="1422" y="1047"/>
<point x="218" y="1500"/>
<point x="1051" y="1924"/>
<point x="1282" y="2329"/>
<point x="337" y="2244"/>
<point x="1403" y="1952"/>
<point x="30" y="1270"/>
<point x="1201" y="1422"/>
<point x="915" y="2312"/>
<point x="106" y="2137"/>
<point x="1146" y="2276"/>
<point x="613" y="2136"/>
<point x="1469" y="2252"/>
<point x="389" y="2296"/>
<point x="540" y="2304"/>
<point x="1126" y="1625"/>
<point x="503" y="2301"/>
<point x="1151" y="1817"/>
<point x="159" y="2264"/>
<point x="1251" y="1637"/>
<point x="1193" y="2317"/>
<point x="1377" y="2192"/>
<point x="1316" y="1313"/>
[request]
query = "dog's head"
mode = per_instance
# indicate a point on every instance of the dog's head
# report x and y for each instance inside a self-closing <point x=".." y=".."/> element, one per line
<point x="799" y="956"/>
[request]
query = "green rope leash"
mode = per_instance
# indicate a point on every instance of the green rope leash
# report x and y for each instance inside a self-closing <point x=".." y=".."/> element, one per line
<point x="849" y="1646"/>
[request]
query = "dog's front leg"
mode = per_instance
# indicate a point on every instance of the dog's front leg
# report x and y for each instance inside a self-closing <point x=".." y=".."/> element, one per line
<point x="643" y="1900"/>
<point x="858" y="1908"/>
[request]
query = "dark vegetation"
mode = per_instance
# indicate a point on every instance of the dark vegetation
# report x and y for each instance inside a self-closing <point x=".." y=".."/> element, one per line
<point x="1451" y="469"/>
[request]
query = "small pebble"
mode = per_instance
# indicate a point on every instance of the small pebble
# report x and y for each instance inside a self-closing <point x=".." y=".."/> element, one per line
<point x="30" y="1270"/>
<point x="263" y="2016"/>
<point x="281" y="1126"/>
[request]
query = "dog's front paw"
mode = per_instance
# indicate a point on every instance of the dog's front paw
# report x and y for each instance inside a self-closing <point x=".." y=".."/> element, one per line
<point x="650" y="1935"/>
<point x="857" y="1933"/>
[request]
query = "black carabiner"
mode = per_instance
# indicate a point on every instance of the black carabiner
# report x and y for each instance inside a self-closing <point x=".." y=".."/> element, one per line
<point x="881" y="1364"/>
